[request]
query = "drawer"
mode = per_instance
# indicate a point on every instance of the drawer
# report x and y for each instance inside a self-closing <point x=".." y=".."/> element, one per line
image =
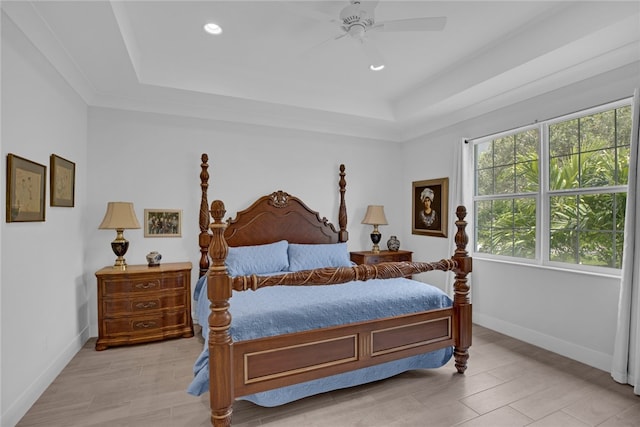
<point x="144" y="324"/>
<point x="400" y="257"/>
<point x="114" y="306"/>
<point x="374" y="259"/>
<point x="144" y="284"/>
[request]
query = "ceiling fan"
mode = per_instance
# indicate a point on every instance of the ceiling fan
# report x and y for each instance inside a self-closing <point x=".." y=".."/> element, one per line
<point x="358" y="18"/>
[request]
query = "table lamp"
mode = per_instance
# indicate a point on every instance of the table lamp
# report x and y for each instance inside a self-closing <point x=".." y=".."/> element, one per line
<point x="375" y="216"/>
<point x="119" y="216"/>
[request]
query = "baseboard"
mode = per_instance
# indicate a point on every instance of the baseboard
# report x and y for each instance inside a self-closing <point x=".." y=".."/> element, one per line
<point x="19" y="408"/>
<point x="573" y="351"/>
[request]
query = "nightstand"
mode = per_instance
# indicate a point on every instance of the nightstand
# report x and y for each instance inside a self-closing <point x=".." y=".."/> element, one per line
<point x="143" y="304"/>
<point x="368" y="257"/>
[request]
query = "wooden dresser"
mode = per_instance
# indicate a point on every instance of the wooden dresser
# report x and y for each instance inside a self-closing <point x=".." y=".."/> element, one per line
<point x="142" y="304"/>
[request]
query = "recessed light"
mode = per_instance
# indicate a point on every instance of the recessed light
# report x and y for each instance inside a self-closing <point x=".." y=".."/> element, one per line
<point x="212" y="28"/>
<point x="376" y="67"/>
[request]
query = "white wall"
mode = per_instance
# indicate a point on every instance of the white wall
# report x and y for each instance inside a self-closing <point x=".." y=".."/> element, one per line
<point x="570" y="313"/>
<point x="44" y="294"/>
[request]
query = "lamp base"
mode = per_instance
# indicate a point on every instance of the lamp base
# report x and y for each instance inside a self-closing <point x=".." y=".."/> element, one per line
<point x="375" y="238"/>
<point x="120" y="247"/>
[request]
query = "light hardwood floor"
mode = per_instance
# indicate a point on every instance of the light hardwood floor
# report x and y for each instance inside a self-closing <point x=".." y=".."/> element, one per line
<point x="508" y="383"/>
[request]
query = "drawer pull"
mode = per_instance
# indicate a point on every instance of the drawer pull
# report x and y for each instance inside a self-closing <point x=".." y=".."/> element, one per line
<point x="148" y="304"/>
<point x="145" y="325"/>
<point x="148" y="285"/>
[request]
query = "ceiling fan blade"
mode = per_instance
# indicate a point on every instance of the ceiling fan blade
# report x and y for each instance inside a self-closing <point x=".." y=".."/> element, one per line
<point x="373" y="55"/>
<point x="412" y="24"/>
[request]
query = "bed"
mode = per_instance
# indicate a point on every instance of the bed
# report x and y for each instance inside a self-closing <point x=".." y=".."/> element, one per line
<point x="286" y="315"/>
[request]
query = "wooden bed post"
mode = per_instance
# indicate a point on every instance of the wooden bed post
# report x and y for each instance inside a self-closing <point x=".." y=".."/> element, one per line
<point x="461" y="301"/>
<point x="204" y="219"/>
<point x="342" y="212"/>
<point x="220" y="342"/>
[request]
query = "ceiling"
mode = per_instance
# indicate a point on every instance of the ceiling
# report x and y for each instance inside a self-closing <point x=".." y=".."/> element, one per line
<point x="276" y="62"/>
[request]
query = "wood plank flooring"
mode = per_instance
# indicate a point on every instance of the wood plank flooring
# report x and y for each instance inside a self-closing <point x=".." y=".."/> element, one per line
<point x="508" y="383"/>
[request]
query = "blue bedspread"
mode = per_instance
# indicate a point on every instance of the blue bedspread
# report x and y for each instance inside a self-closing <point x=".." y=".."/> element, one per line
<point x="285" y="309"/>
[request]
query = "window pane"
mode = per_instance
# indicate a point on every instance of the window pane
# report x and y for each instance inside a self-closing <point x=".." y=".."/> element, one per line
<point x="598" y="168"/>
<point x="527" y="144"/>
<point x="624" y="154"/>
<point x="563" y="242"/>
<point x="597" y="248"/>
<point x="527" y="174"/>
<point x="484" y="155"/>
<point x="564" y="172"/>
<point x="524" y="220"/>
<point x="483" y="217"/>
<point x="597" y="131"/>
<point x="504" y="151"/>
<point x="505" y="179"/>
<point x="562" y="246"/>
<point x="563" y="138"/>
<point x="597" y="212"/>
<point x="484" y="182"/>
<point x="623" y="126"/>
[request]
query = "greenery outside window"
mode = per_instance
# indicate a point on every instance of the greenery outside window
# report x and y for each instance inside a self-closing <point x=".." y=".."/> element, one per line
<point x="555" y="192"/>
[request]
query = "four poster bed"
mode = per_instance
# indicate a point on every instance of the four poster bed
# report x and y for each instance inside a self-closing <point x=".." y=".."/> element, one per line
<point x="275" y="335"/>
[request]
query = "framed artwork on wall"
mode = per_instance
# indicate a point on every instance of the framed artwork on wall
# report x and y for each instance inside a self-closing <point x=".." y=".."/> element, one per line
<point x="430" y="207"/>
<point x="63" y="181"/>
<point x="162" y="223"/>
<point x="26" y="187"/>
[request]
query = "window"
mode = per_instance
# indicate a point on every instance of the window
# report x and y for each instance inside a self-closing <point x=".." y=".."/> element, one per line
<point x="555" y="191"/>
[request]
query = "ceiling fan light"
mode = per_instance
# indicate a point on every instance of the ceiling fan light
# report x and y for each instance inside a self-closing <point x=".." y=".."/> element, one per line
<point x="212" y="28"/>
<point x="373" y="67"/>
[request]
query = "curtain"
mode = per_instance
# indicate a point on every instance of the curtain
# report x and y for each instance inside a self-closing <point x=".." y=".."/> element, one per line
<point x="626" y="352"/>
<point x="460" y="183"/>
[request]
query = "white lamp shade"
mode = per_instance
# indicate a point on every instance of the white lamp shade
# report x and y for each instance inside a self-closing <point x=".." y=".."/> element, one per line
<point x="375" y="215"/>
<point x="119" y="216"/>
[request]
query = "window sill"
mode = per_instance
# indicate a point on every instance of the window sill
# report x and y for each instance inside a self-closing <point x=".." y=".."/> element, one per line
<point x="592" y="271"/>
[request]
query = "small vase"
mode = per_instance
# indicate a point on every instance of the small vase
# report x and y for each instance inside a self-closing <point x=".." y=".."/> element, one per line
<point x="393" y="243"/>
<point x="153" y="259"/>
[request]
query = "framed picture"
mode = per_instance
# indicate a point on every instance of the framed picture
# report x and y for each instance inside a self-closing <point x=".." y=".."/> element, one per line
<point x="26" y="185"/>
<point x="63" y="181"/>
<point x="162" y="223"/>
<point x="430" y="211"/>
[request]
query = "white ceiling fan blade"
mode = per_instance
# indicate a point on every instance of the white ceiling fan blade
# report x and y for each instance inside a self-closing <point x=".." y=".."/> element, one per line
<point x="376" y="61"/>
<point x="310" y="52"/>
<point x="412" y="24"/>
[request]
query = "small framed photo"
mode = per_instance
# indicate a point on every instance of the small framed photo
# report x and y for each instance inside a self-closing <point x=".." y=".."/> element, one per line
<point x="26" y="186"/>
<point x="430" y="211"/>
<point x="162" y="223"/>
<point x="63" y="181"/>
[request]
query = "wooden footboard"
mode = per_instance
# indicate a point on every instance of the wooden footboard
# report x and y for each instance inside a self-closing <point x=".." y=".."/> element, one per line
<point x="272" y="362"/>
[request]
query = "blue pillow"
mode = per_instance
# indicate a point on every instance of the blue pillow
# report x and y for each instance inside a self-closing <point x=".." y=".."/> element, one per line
<point x="307" y="257"/>
<point x="258" y="259"/>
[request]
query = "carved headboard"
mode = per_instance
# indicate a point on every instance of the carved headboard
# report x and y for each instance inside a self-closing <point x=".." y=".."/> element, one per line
<point x="274" y="217"/>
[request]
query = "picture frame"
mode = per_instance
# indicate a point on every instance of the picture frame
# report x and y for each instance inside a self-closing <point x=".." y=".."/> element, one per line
<point x="430" y="217"/>
<point x="62" y="182"/>
<point x="26" y="189"/>
<point x="162" y="223"/>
